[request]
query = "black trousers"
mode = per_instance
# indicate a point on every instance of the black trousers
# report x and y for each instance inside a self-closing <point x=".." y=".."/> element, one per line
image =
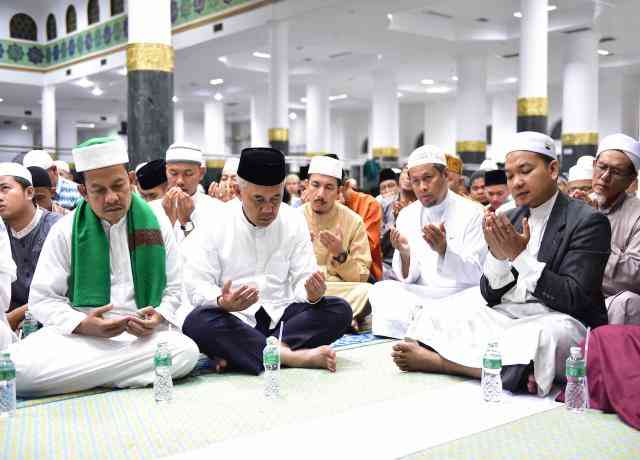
<point x="221" y="335"/>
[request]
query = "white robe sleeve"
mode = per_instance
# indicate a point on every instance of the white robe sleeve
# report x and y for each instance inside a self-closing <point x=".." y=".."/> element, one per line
<point x="201" y="269"/>
<point x="48" y="300"/>
<point x="7" y="269"/>
<point x="497" y="272"/>
<point x="173" y="290"/>
<point x="529" y="270"/>
<point x="403" y="224"/>
<point x="303" y="259"/>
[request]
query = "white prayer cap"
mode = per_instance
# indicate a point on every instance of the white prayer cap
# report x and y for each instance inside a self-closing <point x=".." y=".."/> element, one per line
<point x="15" y="170"/>
<point x="183" y="152"/>
<point x="427" y="154"/>
<point x="39" y="158"/>
<point x="531" y="141"/>
<point x="488" y="165"/>
<point x="627" y="144"/>
<point x="100" y="152"/>
<point x="231" y="166"/>
<point x="326" y="166"/>
<point x="582" y="170"/>
<point x="62" y="165"/>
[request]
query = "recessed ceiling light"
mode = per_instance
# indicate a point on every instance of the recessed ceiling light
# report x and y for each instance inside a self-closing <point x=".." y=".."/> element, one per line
<point x="85" y="125"/>
<point x="399" y="94"/>
<point x="338" y="97"/>
<point x="292" y="116"/>
<point x="518" y="14"/>
<point x="261" y="55"/>
<point x="175" y="99"/>
<point x="223" y="59"/>
<point x="511" y="80"/>
<point x="454" y="78"/>
<point x="438" y="90"/>
<point x="1" y="100"/>
<point x="122" y="71"/>
<point x="24" y="127"/>
<point x="84" y="83"/>
<point x="97" y="91"/>
<point x="379" y="57"/>
<point x="216" y="81"/>
<point x="602" y="52"/>
<point x="303" y="100"/>
<point x="218" y="96"/>
<point x="427" y="81"/>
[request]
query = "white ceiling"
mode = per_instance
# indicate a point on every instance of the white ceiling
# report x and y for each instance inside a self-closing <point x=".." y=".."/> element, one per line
<point x="343" y="41"/>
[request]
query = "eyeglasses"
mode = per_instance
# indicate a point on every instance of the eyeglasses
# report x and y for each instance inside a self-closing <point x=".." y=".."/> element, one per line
<point x="603" y="168"/>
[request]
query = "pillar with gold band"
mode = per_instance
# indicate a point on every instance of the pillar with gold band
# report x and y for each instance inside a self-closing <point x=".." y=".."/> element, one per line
<point x="318" y="128"/>
<point x="532" y="100"/>
<point x="385" y="130"/>
<point x="580" y="98"/>
<point x="279" y="87"/>
<point x="150" y="66"/>
<point x="471" y="109"/>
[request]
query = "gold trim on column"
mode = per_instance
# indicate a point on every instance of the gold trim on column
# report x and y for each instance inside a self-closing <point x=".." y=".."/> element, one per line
<point x="385" y="152"/>
<point x="278" y="134"/>
<point x="215" y="164"/>
<point x="454" y="164"/>
<point x="150" y="56"/>
<point x="580" y="139"/>
<point x="471" y="146"/>
<point x="533" y="106"/>
<point x="315" y="154"/>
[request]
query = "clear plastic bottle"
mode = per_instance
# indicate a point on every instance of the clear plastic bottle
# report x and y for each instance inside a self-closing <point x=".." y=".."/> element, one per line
<point x="29" y="325"/>
<point x="491" y="382"/>
<point x="271" y="363"/>
<point x="575" y="394"/>
<point x="163" y="383"/>
<point x="7" y="386"/>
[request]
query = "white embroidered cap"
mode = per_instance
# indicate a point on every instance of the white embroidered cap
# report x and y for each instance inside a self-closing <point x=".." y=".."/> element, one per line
<point x="62" y="165"/>
<point x="184" y="152"/>
<point x="427" y="154"/>
<point x="100" y="152"/>
<point x="583" y="169"/>
<point x="15" y="170"/>
<point x="622" y="142"/>
<point x="231" y="166"/>
<point x="488" y="165"/>
<point x="39" y="158"/>
<point x="531" y="141"/>
<point x="326" y="166"/>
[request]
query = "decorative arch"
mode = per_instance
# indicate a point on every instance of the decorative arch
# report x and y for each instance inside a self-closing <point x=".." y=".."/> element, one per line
<point x="71" y="19"/>
<point x="117" y="7"/>
<point x="93" y="12"/>
<point x="52" y="27"/>
<point x="23" y="27"/>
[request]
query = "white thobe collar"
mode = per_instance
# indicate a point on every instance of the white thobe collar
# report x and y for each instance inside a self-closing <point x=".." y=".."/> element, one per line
<point x="435" y="214"/>
<point x="541" y="213"/>
<point x="34" y="222"/>
<point x="107" y="226"/>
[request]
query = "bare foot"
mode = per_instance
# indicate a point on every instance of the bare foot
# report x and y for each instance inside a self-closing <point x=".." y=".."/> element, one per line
<point x="321" y="357"/>
<point x="410" y="356"/>
<point x="532" y="385"/>
<point x="355" y="327"/>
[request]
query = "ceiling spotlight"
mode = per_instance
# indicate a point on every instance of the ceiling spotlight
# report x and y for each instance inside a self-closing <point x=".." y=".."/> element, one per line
<point x="261" y="55"/>
<point x="511" y="80"/>
<point x="390" y="17"/>
<point x="303" y="100"/>
<point x="293" y="116"/>
<point x="338" y="97"/>
<point x="223" y="59"/>
<point x="84" y="83"/>
<point x="85" y="125"/>
<point x="97" y="91"/>
<point x="218" y="97"/>
<point x="454" y="78"/>
<point x="1" y="100"/>
<point x="399" y="94"/>
<point x="24" y="127"/>
<point x="427" y="81"/>
<point x="175" y="99"/>
<point x="518" y="14"/>
<point x="602" y="52"/>
<point x="122" y="71"/>
<point x="438" y="90"/>
<point x="379" y="57"/>
<point x="216" y="81"/>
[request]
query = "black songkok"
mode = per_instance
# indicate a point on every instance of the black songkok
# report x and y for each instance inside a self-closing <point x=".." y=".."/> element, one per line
<point x="152" y="174"/>
<point x="262" y="166"/>
<point x="495" y="177"/>
<point x="387" y="174"/>
<point x="39" y="177"/>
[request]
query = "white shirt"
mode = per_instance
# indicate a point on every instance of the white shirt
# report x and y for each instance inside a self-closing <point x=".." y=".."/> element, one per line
<point x="277" y="259"/>
<point x="7" y="271"/>
<point x="48" y="299"/>
<point x="461" y="265"/>
<point x="498" y="272"/>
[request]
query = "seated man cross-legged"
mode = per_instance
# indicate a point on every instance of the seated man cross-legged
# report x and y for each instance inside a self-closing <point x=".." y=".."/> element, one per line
<point x="255" y="271"/>
<point x="542" y="282"/>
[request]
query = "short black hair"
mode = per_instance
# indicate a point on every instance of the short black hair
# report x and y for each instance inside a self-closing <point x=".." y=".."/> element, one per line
<point x="441" y="168"/>
<point x="24" y="183"/>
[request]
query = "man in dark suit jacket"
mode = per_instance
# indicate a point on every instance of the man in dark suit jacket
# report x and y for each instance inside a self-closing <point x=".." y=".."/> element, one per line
<point x="542" y="280"/>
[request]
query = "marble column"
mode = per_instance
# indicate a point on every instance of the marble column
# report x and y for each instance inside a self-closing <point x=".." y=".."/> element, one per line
<point x="67" y="136"/>
<point x="471" y="110"/>
<point x="150" y="66"/>
<point x="533" y="104"/>
<point x="214" y="128"/>
<point x="49" y="118"/>
<point x="385" y="130"/>
<point x="279" y="87"/>
<point x="580" y="98"/>
<point x="318" y="118"/>
<point x="259" y="119"/>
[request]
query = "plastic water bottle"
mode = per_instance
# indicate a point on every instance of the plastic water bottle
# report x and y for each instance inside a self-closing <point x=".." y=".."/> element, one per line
<point x="29" y="325"/>
<point x="7" y="386"/>
<point x="163" y="383"/>
<point x="271" y="363"/>
<point x="491" y="380"/>
<point x="575" y="394"/>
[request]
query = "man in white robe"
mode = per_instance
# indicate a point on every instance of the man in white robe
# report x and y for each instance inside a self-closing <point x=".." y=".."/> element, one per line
<point x="102" y="324"/>
<point x="256" y="273"/>
<point x="439" y="246"/>
<point x="7" y="275"/>
<point x="542" y="282"/>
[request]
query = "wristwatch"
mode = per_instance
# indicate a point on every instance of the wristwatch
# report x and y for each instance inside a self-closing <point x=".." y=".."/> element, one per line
<point x="341" y="258"/>
<point x="187" y="227"/>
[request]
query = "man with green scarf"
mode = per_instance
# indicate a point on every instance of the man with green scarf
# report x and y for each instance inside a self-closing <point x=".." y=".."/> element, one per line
<point x="106" y="288"/>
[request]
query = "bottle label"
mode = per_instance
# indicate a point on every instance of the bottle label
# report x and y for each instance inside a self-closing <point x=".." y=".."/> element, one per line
<point x="492" y="363"/>
<point x="161" y="361"/>
<point x="576" y="371"/>
<point x="7" y="374"/>
<point x="271" y="359"/>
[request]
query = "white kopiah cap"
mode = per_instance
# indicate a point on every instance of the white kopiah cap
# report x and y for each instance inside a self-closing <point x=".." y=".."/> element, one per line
<point x="326" y="166"/>
<point x="15" y="170"/>
<point x="231" y="166"/>
<point x="184" y="152"/>
<point x="622" y="142"/>
<point x="100" y="152"/>
<point x="583" y="169"/>
<point x="62" y="165"/>
<point x="531" y="141"/>
<point x="39" y="158"/>
<point x="427" y="154"/>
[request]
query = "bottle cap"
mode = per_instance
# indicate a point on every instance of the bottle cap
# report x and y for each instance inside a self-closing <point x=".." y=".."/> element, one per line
<point x="576" y="352"/>
<point x="271" y="340"/>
